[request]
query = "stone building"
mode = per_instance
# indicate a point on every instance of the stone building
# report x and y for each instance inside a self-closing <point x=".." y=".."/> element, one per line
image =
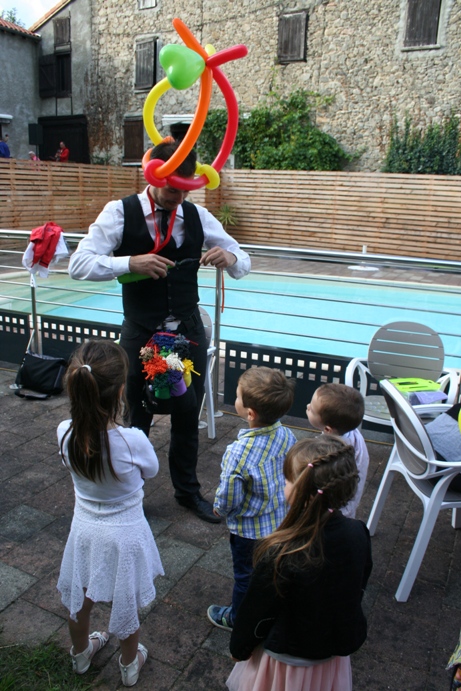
<point x="18" y="97"/>
<point x="376" y="59"/>
<point x="65" y="57"/>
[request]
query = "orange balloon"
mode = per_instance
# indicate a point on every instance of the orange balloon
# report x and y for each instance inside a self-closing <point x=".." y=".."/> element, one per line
<point x="195" y="128"/>
<point x="189" y="38"/>
<point x="146" y="158"/>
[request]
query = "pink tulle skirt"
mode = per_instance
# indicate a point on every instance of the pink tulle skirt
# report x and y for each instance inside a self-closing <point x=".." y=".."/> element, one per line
<point x="263" y="673"/>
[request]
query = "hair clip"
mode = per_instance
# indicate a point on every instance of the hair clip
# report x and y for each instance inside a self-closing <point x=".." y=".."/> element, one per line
<point x="87" y="367"/>
<point x="310" y="465"/>
<point x="320" y="491"/>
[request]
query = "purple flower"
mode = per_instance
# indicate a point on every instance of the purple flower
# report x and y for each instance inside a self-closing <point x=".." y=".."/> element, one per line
<point x="174" y="375"/>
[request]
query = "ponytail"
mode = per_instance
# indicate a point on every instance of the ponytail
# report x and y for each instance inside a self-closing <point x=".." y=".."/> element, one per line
<point x="94" y="380"/>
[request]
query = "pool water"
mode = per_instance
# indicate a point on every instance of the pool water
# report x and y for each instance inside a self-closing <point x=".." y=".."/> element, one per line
<point x="329" y="315"/>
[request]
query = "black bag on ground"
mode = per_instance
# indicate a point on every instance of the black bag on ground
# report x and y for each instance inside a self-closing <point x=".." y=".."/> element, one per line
<point x="40" y="373"/>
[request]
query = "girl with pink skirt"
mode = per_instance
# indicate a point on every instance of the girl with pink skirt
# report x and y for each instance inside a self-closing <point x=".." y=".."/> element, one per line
<point x="302" y="616"/>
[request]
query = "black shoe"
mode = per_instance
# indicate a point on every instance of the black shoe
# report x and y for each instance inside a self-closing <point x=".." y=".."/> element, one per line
<point x="200" y="506"/>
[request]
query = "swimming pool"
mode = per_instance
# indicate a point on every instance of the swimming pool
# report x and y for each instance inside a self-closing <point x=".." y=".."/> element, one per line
<point x="328" y="315"/>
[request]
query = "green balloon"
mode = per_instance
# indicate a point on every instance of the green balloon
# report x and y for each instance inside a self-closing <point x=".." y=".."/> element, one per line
<point x="182" y="65"/>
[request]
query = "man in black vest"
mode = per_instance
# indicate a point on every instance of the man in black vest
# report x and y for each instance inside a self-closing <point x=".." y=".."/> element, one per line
<point x="120" y="241"/>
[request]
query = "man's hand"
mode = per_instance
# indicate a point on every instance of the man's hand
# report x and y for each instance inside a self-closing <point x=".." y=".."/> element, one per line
<point x="151" y="265"/>
<point x="219" y="258"/>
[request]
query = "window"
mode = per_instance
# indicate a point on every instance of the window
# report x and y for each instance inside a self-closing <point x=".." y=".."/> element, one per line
<point x="292" y="43"/>
<point x="146" y="4"/>
<point x="55" y="76"/>
<point x="63" y="75"/>
<point x="61" y="31"/>
<point x="422" y="23"/>
<point x="133" y="129"/>
<point x="147" y="63"/>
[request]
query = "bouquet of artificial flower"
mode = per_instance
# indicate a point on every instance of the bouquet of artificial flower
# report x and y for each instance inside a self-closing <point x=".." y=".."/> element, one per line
<point x="166" y="364"/>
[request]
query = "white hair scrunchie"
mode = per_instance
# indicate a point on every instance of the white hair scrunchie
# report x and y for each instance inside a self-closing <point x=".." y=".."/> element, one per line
<point x="87" y="367"/>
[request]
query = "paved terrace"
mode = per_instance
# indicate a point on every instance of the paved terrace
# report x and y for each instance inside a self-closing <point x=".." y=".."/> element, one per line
<point x="408" y="644"/>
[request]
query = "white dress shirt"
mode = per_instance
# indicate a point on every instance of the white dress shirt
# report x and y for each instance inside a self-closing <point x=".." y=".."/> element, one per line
<point x="93" y="259"/>
<point x="362" y="460"/>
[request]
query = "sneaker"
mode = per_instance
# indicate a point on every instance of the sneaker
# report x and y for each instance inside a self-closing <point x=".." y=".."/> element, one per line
<point x="221" y="617"/>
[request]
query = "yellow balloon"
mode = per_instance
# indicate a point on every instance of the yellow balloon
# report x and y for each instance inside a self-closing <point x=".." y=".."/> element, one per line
<point x="211" y="173"/>
<point x="149" y="109"/>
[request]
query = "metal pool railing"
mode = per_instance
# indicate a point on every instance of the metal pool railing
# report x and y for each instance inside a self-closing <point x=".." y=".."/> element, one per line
<point x="304" y="300"/>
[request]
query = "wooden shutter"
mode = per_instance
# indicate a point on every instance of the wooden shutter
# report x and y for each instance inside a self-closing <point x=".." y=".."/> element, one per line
<point x="47" y="76"/>
<point x="145" y="64"/>
<point x="292" y="43"/>
<point x="61" y="31"/>
<point x="134" y="140"/>
<point x="422" y="22"/>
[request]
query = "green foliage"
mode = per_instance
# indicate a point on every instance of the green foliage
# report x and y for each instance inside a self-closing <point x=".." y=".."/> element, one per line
<point x="12" y="16"/>
<point x="436" y="151"/>
<point x="44" y="668"/>
<point x="227" y="215"/>
<point x="102" y="159"/>
<point x="278" y="135"/>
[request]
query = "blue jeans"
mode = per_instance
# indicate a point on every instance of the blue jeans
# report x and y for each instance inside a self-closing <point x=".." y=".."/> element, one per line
<point x="242" y="558"/>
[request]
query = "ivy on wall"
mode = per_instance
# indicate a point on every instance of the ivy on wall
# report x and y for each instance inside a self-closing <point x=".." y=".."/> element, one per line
<point x="278" y="135"/>
<point x="435" y="151"/>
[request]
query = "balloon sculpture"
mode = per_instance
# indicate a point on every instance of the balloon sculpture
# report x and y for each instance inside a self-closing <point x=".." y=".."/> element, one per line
<point x="183" y="66"/>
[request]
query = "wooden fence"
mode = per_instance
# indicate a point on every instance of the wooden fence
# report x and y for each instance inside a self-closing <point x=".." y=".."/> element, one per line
<point x="409" y="215"/>
<point x="70" y="194"/>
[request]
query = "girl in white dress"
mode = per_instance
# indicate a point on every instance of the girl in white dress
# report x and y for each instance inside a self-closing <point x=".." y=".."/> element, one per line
<point x="110" y="555"/>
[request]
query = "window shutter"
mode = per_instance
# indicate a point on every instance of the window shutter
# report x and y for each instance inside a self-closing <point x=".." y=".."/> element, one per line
<point x="292" y="37"/>
<point x="145" y="64"/>
<point x="422" y="22"/>
<point x="47" y="76"/>
<point x="61" y="31"/>
<point x="133" y="140"/>
<point x="158" y="69"/>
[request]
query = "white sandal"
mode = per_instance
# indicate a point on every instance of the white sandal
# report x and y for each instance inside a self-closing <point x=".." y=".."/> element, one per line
<point x="82" y="661"/>
<point x="130" y="673"/>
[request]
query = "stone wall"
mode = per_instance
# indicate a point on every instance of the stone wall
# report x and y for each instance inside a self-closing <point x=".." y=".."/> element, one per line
<point x="354" y="53"/>
<point x="18" y="96"/>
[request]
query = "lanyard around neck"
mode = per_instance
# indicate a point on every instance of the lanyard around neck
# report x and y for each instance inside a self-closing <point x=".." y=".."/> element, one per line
<point x="158" y="243"/>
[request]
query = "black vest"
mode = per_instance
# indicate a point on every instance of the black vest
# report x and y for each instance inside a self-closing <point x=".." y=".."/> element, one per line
<point x="150" y="301"/>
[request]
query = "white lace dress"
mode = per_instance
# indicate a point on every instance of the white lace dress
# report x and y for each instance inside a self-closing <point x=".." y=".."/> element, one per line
<point x="111" y="551"/>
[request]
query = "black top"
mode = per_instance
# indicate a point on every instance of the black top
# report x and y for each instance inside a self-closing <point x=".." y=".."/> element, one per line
<point x="150" y="301"/>
<point x="319" y="613"/>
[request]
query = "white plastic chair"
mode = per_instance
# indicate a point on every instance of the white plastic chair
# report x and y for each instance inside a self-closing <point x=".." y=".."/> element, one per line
<point x="208" y="400"/>
<point x="413" y="456"/>
<point x="400" y="349"/>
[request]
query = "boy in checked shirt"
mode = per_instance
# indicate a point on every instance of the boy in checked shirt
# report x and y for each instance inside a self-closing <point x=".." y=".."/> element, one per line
<point x="251" y="488"/>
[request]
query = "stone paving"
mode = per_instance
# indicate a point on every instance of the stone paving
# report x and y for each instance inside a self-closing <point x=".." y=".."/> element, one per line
<point x="408" y="644"/>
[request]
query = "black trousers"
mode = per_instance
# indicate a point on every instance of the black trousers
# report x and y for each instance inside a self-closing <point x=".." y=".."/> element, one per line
<point x="184" y="410"/>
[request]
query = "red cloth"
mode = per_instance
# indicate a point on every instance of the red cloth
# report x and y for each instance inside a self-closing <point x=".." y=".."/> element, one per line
<point x="45" y="241"/>
<point x="64" y="155"/>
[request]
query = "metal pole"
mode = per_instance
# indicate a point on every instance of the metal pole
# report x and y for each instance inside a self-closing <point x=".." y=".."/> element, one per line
<point x="36" y="340"/>
<point x="217" y="336"/>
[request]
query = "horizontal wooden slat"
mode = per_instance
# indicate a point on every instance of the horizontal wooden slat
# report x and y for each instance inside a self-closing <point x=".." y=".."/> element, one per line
<point x="411" y="215"/>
